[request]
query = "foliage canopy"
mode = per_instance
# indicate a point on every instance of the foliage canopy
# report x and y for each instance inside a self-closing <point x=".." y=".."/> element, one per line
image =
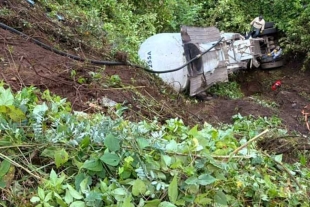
<point x="127" y="23"/>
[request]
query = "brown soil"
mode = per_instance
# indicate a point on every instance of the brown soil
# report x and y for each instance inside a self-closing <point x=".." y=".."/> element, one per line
<point x="24" y="63"/>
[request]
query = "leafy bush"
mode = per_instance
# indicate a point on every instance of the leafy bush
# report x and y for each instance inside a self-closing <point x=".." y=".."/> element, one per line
<point x="125" y="24"/>
<point x="230" y="90"/>
<point x="94" y="160"/>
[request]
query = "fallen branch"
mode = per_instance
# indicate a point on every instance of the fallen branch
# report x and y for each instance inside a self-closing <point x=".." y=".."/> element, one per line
<point x="287" y="171"/>
<point x="20" y="166"/>
<point x="123" y="88"/>
<point x="246" y="144"/>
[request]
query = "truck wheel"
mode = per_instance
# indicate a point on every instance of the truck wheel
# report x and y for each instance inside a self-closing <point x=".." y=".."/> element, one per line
<point x="266" y="59"/>
<point x="269" y="25"/>
<point x="271" y="65"/>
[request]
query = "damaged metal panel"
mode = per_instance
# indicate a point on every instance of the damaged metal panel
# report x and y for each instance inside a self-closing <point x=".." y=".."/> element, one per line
<point x="220" y="74"/>
<point x="255" y="47"/>
<point x="199" y="34"/>
<point x="210" y="60"/>
<point x="209" y="68"/>
<point x="197" y="84"/>
<point x="202" y="82"/>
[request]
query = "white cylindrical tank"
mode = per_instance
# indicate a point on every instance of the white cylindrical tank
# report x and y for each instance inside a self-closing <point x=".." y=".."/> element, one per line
<point x="164" y="52"/>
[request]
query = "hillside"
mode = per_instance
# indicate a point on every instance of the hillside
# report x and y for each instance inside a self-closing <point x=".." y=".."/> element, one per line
<point x="25" y="63"/>
<point x="92" y="88"/>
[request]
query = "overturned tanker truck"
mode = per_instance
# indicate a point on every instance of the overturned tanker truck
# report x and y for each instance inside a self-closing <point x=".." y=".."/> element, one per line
<point x="196" y="58"/>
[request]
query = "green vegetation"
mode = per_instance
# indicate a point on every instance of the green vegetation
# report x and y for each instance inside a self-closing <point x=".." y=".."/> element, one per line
<point x="229" y="89"/>
<point x="265" y="103"/>
<point x="94" y="160"/>
<point x="53" y="156"/>
<point x="125" y="24"/>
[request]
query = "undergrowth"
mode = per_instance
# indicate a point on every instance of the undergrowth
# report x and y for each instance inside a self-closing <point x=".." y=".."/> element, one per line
<point x="230" y="90"/>
<point x="51" y="156"/>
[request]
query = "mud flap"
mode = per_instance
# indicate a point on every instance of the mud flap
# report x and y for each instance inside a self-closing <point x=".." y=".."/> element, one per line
<point x="202" y="82"/>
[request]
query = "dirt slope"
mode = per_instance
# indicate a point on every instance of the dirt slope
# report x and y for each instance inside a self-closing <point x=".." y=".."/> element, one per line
<point x="24" y="63"/>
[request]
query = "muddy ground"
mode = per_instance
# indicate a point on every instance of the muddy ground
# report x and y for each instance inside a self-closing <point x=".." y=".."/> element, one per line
<point x="24" y="63"/>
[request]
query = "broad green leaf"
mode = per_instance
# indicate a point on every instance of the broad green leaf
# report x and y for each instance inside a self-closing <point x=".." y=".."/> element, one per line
<point x="180" y="202"/>
<point x="110" y="159"/>
<point x="129" y="160"/>
<point x="5" y="143"/>
<point x="93" y="196"/>
<point x="127" y="202"/>
<point x="59" y="200"/>
<point x="138" y="187"/>
<point x="3" y="109"/>
<point x="15" y="114"/>
<point x="73" y="192"/>
<point x="220" y="198"/>
<point x="152" y="203"/>
<point x="2" y="183"/>
<point x="119" y="191"/>
<point x="4" y="167"/>
<point x="61" y="157"/>
<point x="119" y="194"/>
<point x="193" y="131"/>
<point x="202" y="199"/>
<point x="6" y="97"/>
<point x="93" y="165"/>
<point x="34" y="199"/>
<point x="40" y="109"/>
<point x="166" y="204"/>
<point x="167" y="159"/>
<point x="206" y="179"/>
<point x="172" y="146"/>
<point x="48" y="197"/>
<point x="278" y="158"/>
<point x="49" y="152"/>
<point x="191" y="180"/>
<point x="84" y="185"/>
<point x="41" y="193"/>
<point x="112" y="143"/>
<point x="53" y="176"/>
<point x="303" y="160"/>
<point x="78" y="204"/>
<point x="173" y="189"/>
<point x="68" y="197"/>
<point x="85" y="142"/>
<point x="143" y="143"/>
<point x="78" y="180"/>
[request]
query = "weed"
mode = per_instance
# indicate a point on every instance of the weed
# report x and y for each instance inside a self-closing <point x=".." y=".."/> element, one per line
<point x="230" y="90"/>
<point x="114" y="81"/>
<point x="265" y="103"/>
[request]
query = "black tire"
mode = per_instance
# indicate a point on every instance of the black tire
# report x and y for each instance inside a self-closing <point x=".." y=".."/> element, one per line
<point x="269" y="25"/>
<point x="267" y="59"/>
<point x="268" y="31"/>
<point x="271" y="65"/>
